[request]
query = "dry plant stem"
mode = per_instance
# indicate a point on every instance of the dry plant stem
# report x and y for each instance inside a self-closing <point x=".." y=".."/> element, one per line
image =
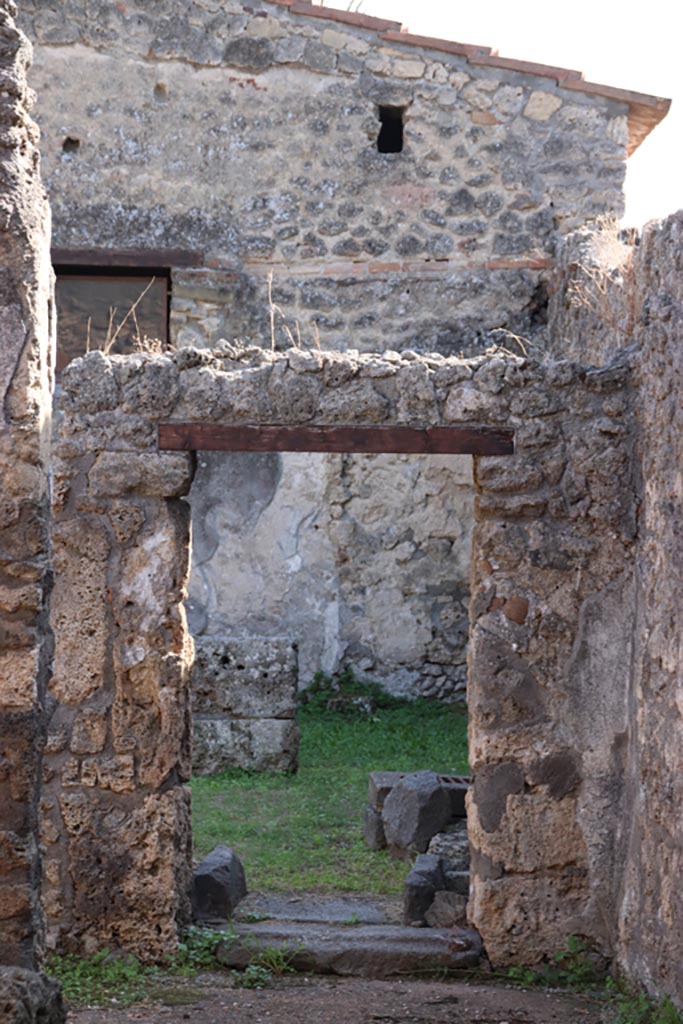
<point x="108" y="341"/>
<point x="271" y="309"/>
<point x="87" y="334"/>
<point x="608" y="264"/>
<point x="109" y="344"/>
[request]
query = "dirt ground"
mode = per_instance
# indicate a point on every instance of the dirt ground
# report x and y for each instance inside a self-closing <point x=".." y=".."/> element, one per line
<point x="316" y="1000"/>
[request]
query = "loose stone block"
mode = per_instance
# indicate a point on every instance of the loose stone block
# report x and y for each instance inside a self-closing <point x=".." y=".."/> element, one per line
<point x="425" y="879"/>
<point x="416" y="809"/>
<point x="218" y="884"/>
<point x="380" y="784"/>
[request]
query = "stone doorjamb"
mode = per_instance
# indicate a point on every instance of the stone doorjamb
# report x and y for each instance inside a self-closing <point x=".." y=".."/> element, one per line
<point x="554" y="524"/>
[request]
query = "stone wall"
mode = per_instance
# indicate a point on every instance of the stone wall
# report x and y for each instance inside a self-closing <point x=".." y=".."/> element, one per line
<point x="554" y="528"/>
<point x="641" y="307"/>
<point x="360" y="557"/>
<point x="432" y="249"/>
<point x="25" y="373"/>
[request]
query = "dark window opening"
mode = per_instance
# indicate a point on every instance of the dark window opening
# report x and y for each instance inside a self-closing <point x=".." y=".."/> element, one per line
<point x="390" y="138"/>
<point x="71" y="145"/>
<point x="119" y="310"/>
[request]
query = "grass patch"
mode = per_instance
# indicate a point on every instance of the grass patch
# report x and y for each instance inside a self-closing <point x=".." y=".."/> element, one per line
<point x="303" y="833"/>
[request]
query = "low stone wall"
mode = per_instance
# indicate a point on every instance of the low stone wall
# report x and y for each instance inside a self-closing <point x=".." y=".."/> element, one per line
<point x="244" y="705"/>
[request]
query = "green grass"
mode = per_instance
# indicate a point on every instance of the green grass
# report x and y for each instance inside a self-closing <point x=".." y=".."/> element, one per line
<point x="303" y="833"/>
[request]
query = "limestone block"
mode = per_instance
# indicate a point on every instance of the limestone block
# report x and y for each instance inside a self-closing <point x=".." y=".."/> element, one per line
<point x="153" y="474"/>
<point x="380" y="785"/>
<point x="89" y="731"/>
<point x="466" y="403"/>
<point x="90" y="384"/>
<point x="521" y="917"/>
<point x="373" y="829"/>
<point x="252" y="678"/>
<point x="18" y="678"/>
<point x="356" y="403"/>
<point x="447" y="910"/>
<point x="79" y="609"/>
<point x="258" y="744"/>
<point x="542" y="105"/>
<point x="149" y="384"/>
<point x="143" y="850"/>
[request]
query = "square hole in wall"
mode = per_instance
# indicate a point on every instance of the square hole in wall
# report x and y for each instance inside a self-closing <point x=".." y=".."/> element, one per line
<point x="390" y="138"/>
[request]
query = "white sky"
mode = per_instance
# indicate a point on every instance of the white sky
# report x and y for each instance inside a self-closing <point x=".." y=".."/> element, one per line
<point x="632" y="46"/>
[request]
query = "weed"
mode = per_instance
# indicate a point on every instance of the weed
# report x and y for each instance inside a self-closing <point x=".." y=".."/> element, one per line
<point x="352" y="921"/>
<point x="575" y="967"/>
<point x="196" y="951"/>
<point x="254" y="976"/>
<point x="277" y="959"/>
<point x="632" y="1007"/>
<point x="324" y="693"/>
<point x="605" y="282"/>
<point x="102" y="978"/>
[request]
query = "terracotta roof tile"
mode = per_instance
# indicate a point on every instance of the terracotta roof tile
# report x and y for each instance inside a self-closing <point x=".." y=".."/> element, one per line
<point x="431" y="43"/>
<point x="527" y="67"/>
<point x="347" y="17"/>
<point x="645" y="112"/>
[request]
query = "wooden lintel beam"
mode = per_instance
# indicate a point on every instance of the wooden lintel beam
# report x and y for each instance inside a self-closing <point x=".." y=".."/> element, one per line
<point x="135" y="258"/>
<point x="464" y="440"/>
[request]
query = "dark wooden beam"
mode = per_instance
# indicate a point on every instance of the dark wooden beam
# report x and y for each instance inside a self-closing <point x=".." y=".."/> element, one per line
<point x="466" y="440"/>
<point x="143" y="258"/>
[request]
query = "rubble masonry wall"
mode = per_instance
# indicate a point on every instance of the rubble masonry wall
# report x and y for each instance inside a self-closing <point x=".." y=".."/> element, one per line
<point x="554" y="527"/>
<point x="25" y="371"/>
<point x="247" y="136"/>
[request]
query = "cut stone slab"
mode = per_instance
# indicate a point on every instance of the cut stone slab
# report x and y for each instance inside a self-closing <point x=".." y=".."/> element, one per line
<point x="416" y="809"/>
<point x="218" y="885"/>
<point x="368" y="951"/>
<point x="425" y="879"/>
<point x="448" y="910"/>
<point x="339" y="910"/>
<point x="380" y="785"/>
<point x="453" y="845"/>
<point x="254" y="744"/>
<point x="457" y="787"/>
<point x="373" y="829"/>
<point x="27" y="997"/>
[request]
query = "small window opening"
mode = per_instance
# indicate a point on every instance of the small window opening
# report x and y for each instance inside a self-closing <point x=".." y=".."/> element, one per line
<point x="390" y="138"/>
<point x="117" y="309"/>
<point x="71" y="145"/>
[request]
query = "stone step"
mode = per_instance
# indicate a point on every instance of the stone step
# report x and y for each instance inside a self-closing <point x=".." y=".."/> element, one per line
<point x="337" y="909"/>
<point x="368" y="951"/>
